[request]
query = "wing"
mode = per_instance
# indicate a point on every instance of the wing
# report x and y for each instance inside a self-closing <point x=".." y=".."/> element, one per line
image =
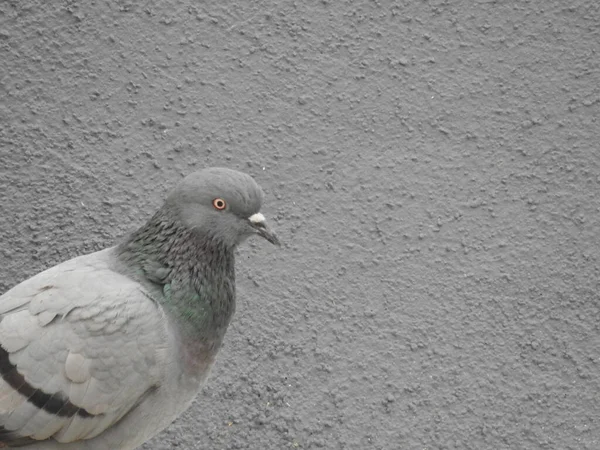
<point x="80" y="347"/>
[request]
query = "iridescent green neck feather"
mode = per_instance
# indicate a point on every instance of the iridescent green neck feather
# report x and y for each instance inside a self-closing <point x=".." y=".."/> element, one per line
<point x="193" y="275"/>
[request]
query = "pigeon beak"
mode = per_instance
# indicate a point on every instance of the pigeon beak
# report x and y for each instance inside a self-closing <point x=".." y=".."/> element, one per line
<point x="259" y="224"/>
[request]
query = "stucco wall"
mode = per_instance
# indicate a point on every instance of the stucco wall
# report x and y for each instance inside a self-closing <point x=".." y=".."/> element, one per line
<point x="432" y="166"/>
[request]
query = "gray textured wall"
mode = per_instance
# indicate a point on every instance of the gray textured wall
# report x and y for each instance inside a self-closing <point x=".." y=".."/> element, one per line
<point x="432" y="166"/>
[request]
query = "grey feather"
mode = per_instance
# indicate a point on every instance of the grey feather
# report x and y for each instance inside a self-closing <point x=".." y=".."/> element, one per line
<point x="105" y="350"/>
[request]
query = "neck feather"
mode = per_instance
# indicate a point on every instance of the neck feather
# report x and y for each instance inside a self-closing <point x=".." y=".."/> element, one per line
<point x="194" y="273"/>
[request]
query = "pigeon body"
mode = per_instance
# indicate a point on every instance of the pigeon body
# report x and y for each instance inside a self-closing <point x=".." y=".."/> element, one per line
<point x="105" y="350"/>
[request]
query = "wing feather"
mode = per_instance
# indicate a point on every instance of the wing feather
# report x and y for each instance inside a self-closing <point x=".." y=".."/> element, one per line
<point x="80" y="346"/>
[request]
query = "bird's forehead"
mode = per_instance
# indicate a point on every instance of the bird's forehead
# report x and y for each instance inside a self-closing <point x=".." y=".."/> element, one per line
<point x="245" y="201"/>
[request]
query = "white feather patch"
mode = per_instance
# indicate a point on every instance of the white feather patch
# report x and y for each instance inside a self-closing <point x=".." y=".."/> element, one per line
<point x="77" y="368"/>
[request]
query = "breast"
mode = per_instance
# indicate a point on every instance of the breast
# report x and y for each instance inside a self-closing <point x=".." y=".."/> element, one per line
<point x="192" y="354"/>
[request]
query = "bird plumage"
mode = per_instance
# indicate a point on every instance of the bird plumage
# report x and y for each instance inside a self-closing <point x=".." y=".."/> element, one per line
<point x="105" y="350"/>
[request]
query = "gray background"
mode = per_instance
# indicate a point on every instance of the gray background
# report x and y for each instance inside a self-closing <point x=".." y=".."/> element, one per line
<point x="432" y="166"/>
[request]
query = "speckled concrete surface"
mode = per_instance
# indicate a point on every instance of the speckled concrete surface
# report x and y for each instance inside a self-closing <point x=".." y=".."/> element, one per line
<point x="433" y="167"/>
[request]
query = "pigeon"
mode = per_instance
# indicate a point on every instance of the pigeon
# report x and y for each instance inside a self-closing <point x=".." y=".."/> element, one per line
<point x="105" y="350"/>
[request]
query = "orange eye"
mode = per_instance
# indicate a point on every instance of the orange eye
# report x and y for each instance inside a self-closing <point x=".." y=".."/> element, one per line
<point x="219" y="204"/>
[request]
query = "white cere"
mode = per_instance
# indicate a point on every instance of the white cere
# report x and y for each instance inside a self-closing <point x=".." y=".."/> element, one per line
<point x="256" y="218"/>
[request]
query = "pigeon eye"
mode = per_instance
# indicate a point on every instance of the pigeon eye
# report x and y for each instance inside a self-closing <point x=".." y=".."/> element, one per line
<point x="219" y="204"/>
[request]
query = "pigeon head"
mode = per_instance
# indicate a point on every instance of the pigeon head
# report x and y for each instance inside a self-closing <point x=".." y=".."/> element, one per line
<point x="221" y="204"/>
